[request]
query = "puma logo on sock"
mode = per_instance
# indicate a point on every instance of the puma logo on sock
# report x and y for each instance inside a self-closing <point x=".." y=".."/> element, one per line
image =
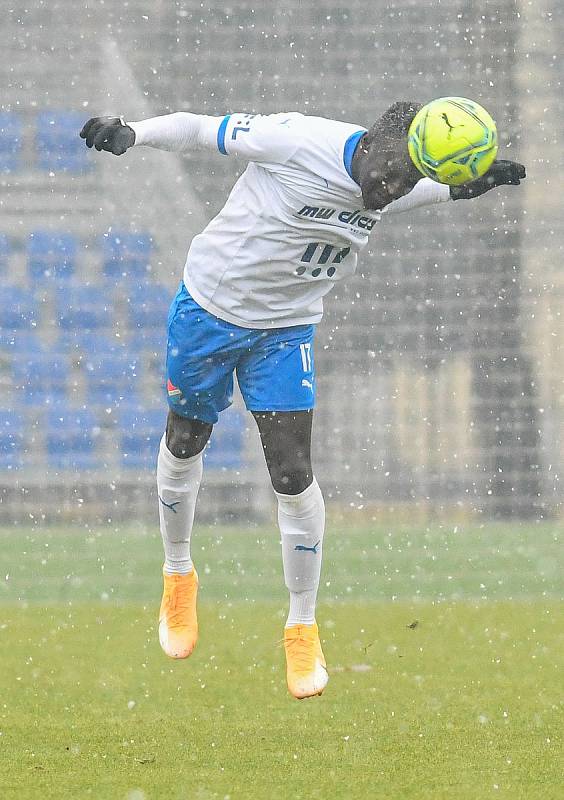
<point x="308" y="549"/>
<point x="170" y="505"/>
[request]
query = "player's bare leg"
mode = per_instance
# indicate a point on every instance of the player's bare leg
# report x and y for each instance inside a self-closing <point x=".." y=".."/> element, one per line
<point x="286" y="441"/>
<point x="179" y="473"/>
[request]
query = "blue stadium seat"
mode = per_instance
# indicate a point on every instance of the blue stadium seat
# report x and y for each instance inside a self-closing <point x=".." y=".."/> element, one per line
<point x="21" y="342"/>
<point x="10" y="141"/>
<point x="85" y="344"/>
<point x="141" y="431"/>
<point x="150" y="340"/>
<point x="40" y="378"/>
<point x="71" y="438"/>
<point x="148" y="306"/>
<point x="127" y="255"/>
<point x="59" y="147"/>
<point x="225" y="448"/>
<point x="51" y="255"/>
<point x="112" y="379"/>
<point x="84" y="308"/>
<point x="19" y="309"/>
<point x="11" y="439"/>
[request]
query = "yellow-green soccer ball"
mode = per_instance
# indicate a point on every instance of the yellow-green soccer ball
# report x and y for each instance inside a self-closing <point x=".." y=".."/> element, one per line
<point x="452" y="140"/>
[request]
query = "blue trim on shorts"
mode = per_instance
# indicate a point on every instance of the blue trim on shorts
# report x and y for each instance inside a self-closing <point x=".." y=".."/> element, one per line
<point x="221" y="134"/>
<point x="275" y="367"/>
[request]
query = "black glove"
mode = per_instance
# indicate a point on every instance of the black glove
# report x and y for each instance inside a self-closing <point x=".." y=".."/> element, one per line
<point x="501" y="173"/>
<point x="108" y="133"/>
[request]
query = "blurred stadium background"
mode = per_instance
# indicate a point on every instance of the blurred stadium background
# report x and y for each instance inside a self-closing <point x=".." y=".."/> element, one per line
<point x="440" y="364"/>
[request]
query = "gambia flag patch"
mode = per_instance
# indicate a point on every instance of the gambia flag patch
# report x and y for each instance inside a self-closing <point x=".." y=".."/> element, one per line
<point x="172" y="390"/>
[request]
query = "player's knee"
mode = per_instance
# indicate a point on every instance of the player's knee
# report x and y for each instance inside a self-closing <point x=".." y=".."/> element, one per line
<point x="186" y="437"/>
<point x="292" y="476"/>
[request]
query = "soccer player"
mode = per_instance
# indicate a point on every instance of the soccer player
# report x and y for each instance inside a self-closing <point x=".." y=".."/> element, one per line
<point x="251" y="296"/>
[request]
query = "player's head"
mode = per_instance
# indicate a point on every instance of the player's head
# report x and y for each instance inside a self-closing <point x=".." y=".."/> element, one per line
<point x="386" y="171"/>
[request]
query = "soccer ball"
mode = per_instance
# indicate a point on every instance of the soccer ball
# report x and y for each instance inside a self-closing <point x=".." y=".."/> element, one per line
<point x="452" y="140"/>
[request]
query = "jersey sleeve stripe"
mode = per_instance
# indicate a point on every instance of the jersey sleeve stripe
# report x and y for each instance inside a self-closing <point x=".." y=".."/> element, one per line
<point x="350" y="147"/>
<point x="221" y="134"/>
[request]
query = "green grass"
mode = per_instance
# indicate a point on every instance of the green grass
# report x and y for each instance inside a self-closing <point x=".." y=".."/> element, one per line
<point x="467" y="703"/>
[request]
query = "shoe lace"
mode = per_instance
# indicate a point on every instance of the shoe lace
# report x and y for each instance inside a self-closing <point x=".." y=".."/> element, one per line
<point x="301" y="650"/>
<point x="179" y="603"/>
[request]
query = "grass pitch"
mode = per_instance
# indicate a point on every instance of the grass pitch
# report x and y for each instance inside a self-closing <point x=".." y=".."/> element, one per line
<point x="445" y="649"/>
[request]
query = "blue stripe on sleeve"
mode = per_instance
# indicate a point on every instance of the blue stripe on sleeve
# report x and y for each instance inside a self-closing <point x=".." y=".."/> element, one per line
<point x="221" y="134"/>
<point x="350" y="147"/>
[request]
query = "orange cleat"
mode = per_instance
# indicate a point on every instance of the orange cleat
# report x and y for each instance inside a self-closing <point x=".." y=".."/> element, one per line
<point x="306" y="671"/>
<point x="178" y="623"/>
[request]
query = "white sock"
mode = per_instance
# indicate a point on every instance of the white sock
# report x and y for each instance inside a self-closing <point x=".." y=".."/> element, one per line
<point x="301" y="518"/>
<point x="178" y="481"/>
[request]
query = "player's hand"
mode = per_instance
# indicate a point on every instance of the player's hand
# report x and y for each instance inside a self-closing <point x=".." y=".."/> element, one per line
<point x="108" y="133"/>
<point x="501" y="173"/>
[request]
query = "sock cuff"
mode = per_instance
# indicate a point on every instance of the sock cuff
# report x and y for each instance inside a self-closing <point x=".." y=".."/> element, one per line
<point x="296" y="505"/>
<point x="177" y="464"/>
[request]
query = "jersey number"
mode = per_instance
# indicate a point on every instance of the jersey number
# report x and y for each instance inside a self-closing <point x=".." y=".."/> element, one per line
<point x="324" y="253"/>
<point x="305" y="350"/>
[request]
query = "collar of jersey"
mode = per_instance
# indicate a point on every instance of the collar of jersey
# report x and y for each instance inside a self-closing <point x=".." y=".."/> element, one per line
<point x="349" y="150"/>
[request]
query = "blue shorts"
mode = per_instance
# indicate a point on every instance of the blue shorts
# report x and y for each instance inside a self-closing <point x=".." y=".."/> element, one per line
<point x="275" y="367"/>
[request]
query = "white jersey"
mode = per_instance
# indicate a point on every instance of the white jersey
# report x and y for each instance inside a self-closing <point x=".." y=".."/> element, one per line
<point x="293" y="224"/>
